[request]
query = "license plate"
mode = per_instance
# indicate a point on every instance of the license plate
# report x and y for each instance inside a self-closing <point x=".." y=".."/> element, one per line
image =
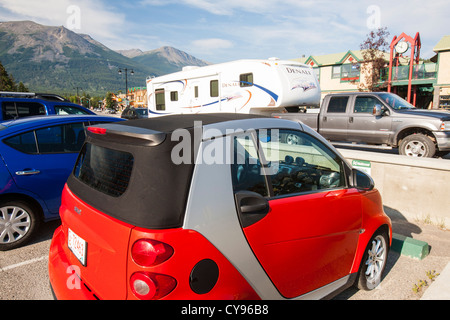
<point x="78" y="246"/>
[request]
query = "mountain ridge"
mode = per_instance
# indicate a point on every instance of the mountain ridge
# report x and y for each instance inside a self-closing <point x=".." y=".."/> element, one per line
<point x="56" y="59"/>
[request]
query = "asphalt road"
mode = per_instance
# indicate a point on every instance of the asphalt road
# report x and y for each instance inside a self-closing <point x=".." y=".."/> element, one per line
<point x="24" y="276"/>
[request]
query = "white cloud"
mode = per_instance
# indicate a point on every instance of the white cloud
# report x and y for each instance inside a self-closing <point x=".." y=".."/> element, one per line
<point x="208" y="46"/>
<point x="82" y="16"/>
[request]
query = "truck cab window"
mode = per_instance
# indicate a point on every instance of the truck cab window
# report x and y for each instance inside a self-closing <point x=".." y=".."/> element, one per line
<point x="337" y="105"/>
<point x="365" y="104"/>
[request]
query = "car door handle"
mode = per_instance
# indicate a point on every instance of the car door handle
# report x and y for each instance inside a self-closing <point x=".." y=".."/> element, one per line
<point x="252" y="207"/>
<point x="350" y="119"/>
<point x="252" y="202"/>
<point x="27" y="172"/>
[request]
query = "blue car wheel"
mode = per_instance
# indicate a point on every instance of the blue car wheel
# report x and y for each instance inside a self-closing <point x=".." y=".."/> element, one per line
<point x="18" y="221"/>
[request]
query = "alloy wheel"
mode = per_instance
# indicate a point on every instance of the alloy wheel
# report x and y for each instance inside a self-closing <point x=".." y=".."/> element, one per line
<point x="376" y="260"/>
<point x="15" y="222"/>
<point x="415" y="149"/>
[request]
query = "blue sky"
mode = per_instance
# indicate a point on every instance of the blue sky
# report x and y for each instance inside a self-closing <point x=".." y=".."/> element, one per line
<point x="219" y="31"/>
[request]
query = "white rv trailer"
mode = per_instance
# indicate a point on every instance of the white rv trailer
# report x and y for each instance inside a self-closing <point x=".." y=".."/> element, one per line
<point x="242" y="86"/>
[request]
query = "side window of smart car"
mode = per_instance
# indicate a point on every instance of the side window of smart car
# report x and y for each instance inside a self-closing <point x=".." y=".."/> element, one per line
<point x="289" y="162"/>
<point x="246" y="166"/>
<point x="301" y="163"/>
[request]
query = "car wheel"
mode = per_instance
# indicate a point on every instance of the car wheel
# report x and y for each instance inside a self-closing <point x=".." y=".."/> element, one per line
<point x="373" y="262"/>
<point x="292" y="139"/>
<point x="18" y="222"/>
<point x="417" y="145"/>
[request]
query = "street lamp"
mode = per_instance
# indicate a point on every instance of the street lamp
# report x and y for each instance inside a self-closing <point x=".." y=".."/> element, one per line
<point x="79" y="101"/>
<point x="126" y="82"/>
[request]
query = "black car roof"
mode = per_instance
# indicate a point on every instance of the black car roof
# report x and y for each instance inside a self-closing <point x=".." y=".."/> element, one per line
<point x="170" y="123"/>
<point x="155" y="178"/>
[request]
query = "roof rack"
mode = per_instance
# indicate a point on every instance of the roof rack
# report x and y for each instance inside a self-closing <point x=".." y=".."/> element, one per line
<point x="32" y="95"/>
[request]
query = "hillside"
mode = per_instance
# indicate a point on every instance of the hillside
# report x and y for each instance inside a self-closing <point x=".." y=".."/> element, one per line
<point x="58" y="60"/>
<point x="165" y="59"/>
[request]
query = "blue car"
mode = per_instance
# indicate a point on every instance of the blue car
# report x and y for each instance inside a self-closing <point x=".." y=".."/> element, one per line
<point x="14" y="105"/>
<point x="37" y="155"/>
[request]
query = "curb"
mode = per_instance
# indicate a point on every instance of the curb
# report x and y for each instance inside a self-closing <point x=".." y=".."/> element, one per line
<point x="440" y="288"/>
<point x="409" y="247"/>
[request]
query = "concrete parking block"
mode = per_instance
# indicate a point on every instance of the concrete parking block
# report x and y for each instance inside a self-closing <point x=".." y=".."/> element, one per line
<point x="409" y="247"/>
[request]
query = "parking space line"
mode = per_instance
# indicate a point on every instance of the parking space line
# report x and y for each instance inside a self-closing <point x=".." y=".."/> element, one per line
<point x="24" y="263"/>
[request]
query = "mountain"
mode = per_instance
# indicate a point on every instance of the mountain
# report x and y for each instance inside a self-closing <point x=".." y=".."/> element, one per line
<point x="58" y="60"/>
<point x="164" y="60"/>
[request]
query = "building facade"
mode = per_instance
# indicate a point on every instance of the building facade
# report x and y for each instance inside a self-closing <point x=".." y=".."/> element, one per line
<point x="138" y="97"/>
<point x="441" y="95"/>
<point x="342" y="72"/>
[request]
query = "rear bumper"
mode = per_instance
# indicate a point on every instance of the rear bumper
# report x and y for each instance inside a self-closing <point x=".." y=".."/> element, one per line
<point x="64" y="281"/>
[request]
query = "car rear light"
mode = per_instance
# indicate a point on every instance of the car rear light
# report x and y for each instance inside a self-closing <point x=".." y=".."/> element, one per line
<point x="151" y="286"/>
<point x="97" y="130"/>
<point x="148" y="252"/>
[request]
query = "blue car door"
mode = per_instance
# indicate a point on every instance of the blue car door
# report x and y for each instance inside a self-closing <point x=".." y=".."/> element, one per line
<point x="40" y="161"/>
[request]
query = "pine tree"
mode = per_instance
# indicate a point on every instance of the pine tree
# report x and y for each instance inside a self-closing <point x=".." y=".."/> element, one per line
<point x="21" y="87"/>
<point x="7" y="82"/>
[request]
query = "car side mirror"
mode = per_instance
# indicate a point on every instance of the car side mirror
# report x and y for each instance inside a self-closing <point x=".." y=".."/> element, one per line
<point x="377" y="111"/>
<point x="361" y="180"/>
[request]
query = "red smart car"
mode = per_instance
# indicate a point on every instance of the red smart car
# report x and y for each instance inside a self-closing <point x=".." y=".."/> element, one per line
<point x="215" y="206"/>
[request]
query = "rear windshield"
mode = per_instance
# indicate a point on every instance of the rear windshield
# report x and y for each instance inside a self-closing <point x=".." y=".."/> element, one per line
<point x="136" y="184"/>
<point x="103" y="169"/>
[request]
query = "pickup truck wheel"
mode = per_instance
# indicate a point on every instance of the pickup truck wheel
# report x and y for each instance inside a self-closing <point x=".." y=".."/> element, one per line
<point x="292" y="139"/>
<point x="417" y="145"/>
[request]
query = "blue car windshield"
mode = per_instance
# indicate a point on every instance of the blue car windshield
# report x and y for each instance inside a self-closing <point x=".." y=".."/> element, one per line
<point x="395" y="102"/>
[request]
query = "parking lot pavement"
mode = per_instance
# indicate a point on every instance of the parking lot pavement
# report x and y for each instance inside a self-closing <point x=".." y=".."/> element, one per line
<point x="24" y="275"/>
<point x="403" y="273"/>
<point x="23" y="271"/>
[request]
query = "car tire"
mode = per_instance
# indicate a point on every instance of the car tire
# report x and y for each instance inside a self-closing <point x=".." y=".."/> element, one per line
<point x="373" y="262"/>
<point x="18" y="222"/>
<point x="417" y="145"/>
<point x="291" y="139"/>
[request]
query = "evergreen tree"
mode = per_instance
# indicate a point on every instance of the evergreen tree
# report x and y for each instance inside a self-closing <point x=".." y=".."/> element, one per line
<point x="21" y="87"/>
<point x="7" y="82"/>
